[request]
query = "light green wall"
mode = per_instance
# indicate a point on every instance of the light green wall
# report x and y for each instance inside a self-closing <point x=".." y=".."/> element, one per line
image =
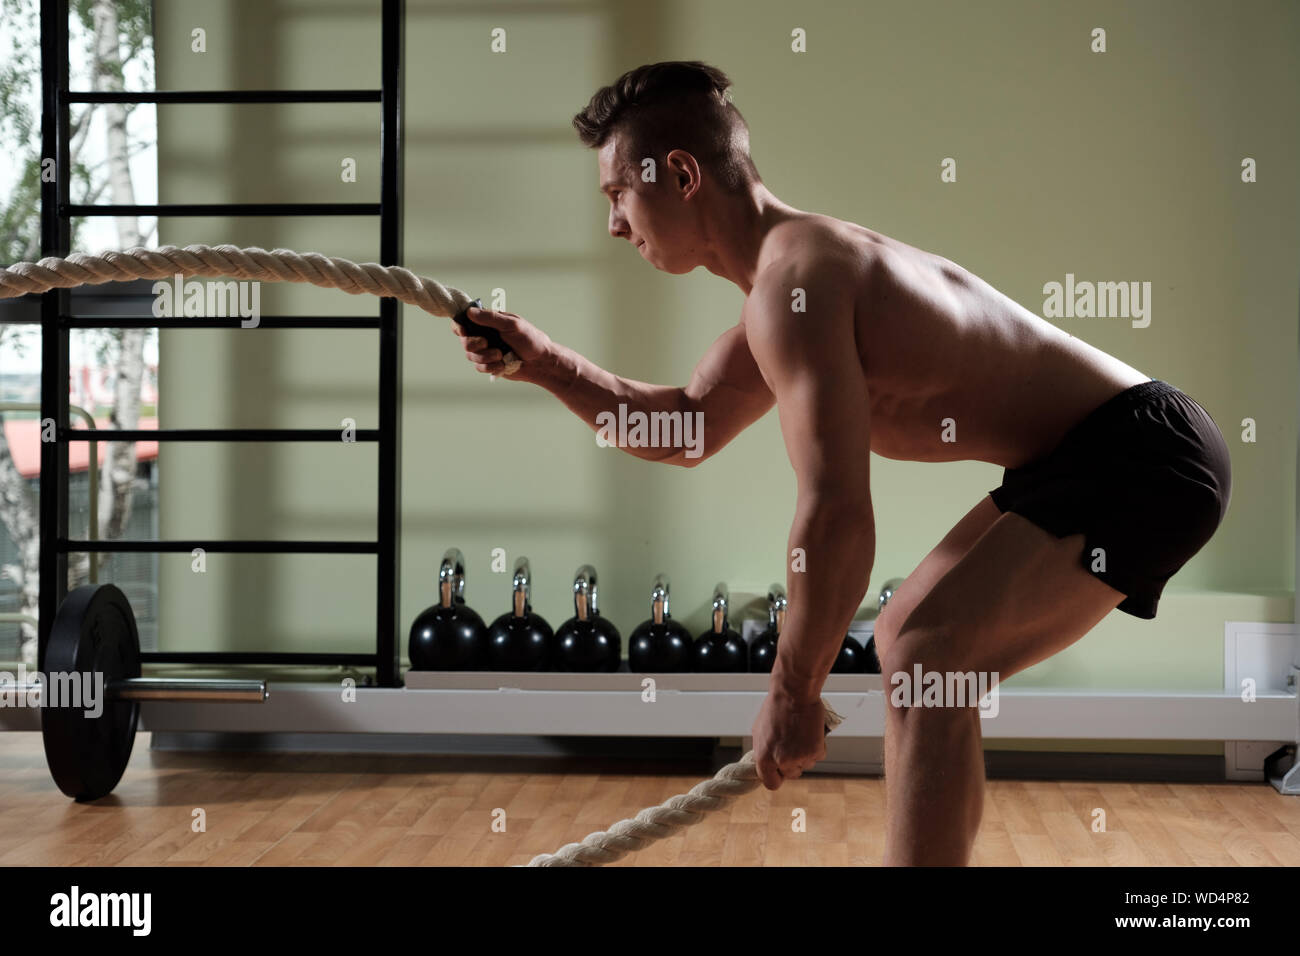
<point x="1115" y="166"/>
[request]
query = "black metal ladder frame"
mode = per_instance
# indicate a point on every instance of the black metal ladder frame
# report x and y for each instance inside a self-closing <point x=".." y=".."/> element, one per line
<point x="56" y="322"/>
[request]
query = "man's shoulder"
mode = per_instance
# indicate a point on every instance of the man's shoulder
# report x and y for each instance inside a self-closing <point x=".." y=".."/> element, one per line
<point x="813" y="267"/>
<point x="823" y="248"/>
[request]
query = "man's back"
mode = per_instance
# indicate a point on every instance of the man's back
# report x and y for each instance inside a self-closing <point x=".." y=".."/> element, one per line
<point x="936" y="342"/>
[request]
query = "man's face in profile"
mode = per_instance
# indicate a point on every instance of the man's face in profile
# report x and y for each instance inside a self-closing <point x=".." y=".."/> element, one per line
<point x="647" y="214"/>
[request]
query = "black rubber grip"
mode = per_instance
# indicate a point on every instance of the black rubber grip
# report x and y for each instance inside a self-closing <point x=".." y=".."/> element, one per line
<point x="494" y="340"/>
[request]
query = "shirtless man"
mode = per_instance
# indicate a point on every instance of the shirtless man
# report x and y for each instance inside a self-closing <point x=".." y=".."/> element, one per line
<point x="1112" y="479"/>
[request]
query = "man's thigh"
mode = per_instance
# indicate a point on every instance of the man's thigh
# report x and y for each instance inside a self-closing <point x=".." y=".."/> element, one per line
<point x="933" y="566"/>
<point x="1017" y="596"/>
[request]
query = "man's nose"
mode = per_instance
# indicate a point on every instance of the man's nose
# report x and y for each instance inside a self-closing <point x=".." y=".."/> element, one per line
<point x="617" y="227"/>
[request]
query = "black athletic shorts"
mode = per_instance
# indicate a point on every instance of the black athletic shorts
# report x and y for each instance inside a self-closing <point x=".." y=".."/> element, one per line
<point x="1145" y="476"/>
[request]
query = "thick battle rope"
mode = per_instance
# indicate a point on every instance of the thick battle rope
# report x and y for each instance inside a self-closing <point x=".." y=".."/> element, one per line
<point x="658" y="823"/>
<point x="328" y="272"/>
<point x="278" y="265"/>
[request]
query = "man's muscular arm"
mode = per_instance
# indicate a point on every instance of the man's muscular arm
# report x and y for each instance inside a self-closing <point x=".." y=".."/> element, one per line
<point x="810" y="361"/>
<point x="726" y="386"/>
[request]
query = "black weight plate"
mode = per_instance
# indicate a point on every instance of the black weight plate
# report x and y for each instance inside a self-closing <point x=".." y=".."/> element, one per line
<point x="94" y="633"/>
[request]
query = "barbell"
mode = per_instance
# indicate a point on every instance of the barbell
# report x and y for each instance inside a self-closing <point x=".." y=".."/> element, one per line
<point x="92" y="679"/>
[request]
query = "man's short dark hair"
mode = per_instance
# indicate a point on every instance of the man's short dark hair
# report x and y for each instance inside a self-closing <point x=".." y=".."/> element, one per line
<point x="679" y="104"/>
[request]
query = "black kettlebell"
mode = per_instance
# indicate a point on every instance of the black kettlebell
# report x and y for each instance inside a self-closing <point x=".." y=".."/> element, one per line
<point x="449" y="636"/>
<point x="520" y="640"/>
<point x="762" y="650"/>
<point x="720" y="650"/>
<point x="850" y="658"/>
<point x="871" y="659"/>
<point x="659" y="645"/>
<point x="587" y="642"/>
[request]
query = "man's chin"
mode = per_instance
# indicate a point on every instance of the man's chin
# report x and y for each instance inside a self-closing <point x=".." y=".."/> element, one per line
<point x="678" y="268"/>
<point x="674" y="268"/>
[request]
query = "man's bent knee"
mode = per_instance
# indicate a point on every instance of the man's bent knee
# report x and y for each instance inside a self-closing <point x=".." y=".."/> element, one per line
<point x="926" y="667"/>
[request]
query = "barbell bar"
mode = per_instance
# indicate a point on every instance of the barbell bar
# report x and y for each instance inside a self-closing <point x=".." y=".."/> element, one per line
<point x="169" y="689"/>
<point x="189" y="689"/>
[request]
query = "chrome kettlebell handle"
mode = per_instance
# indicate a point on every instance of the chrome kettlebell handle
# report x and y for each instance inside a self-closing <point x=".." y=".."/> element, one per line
<point x="721" y="598"/>
<point x="777" y="605"/>
<point x="522" y="587"/>
<point x="584" y="593"/>
<point x="451" y="578"/>
<point x="887" y="593"/>
<point x="659" y="599"/>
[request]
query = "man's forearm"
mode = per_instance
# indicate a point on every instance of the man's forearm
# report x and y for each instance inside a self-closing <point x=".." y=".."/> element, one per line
<point x="838" y="545"/>
<point x="587" y="390"/>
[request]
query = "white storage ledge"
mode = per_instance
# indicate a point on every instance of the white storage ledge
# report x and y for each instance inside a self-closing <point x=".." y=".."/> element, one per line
<point x="706" y="705"/>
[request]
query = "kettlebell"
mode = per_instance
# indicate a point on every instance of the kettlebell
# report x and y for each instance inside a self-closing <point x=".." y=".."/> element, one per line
<point x="520" y="640"/>
<point x="720" y="649"/>
<point x="850" y="658"/>
<point x="587" y="642"/>
<point x="762" y="651"/>
<point x="871" y="660"/>
<point x="449" y="636"/>
<point x="886" y="593"/>
<point x="659" y="645"/>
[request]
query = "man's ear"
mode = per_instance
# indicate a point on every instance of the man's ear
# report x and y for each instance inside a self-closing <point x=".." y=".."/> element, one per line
<point x="685" y="171"/>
